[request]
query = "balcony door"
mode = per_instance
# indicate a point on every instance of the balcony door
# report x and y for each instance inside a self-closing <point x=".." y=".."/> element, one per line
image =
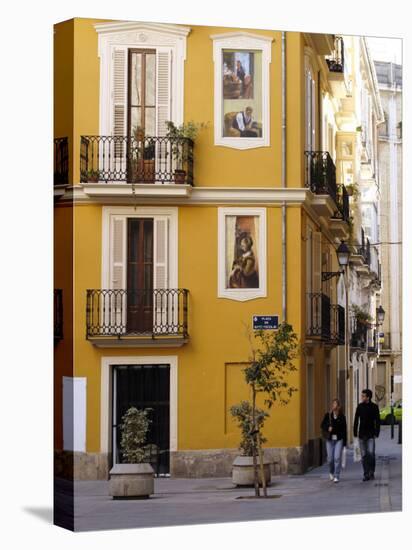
<point x="140" y="275"/>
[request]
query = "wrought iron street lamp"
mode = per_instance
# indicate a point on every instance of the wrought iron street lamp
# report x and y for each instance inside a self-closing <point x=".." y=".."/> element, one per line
<point x="343" y="254"/>
<point x="380" y="315"/>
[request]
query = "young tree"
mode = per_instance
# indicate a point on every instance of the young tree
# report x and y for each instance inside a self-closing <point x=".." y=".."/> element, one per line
<point x="271" y="362"/>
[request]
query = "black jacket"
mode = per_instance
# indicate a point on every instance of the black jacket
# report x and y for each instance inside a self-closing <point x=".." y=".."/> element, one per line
<point x="367" y="422"/>
<point x="338" y="426"/>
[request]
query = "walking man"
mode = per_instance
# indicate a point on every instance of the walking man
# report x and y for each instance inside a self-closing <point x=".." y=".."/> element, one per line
<point x="366" y="426"/>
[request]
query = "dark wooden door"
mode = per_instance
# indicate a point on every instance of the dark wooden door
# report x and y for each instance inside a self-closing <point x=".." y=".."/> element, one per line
<point x="144" y="386"/>
<point x="139" y="275"/>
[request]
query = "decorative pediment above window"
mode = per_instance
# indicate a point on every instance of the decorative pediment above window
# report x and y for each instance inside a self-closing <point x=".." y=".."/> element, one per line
<point x="242" y="89"/>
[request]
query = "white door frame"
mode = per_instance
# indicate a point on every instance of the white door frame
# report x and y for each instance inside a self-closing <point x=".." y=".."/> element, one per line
<point x="106" y="399"/>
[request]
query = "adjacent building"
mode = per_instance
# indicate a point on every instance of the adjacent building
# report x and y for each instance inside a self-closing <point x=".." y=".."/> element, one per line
<point x="389" y="377"/>
<point x="169" y="244"/>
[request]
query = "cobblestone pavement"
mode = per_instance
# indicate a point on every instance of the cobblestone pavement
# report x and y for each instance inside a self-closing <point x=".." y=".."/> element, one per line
<point x="215" y="500"/>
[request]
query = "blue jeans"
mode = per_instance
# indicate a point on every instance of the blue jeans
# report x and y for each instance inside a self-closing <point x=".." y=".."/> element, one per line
<point x="367" y="448"/>
<point x="334" y="448"/>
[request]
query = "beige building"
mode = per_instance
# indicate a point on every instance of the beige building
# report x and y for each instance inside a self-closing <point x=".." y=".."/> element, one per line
<point x="390" y="168"/>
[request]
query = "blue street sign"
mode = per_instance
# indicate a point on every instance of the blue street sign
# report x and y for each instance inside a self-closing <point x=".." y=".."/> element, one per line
<point x="265" y="322"/>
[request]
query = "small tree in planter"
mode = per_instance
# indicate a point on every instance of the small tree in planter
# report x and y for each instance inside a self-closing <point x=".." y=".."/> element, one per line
<point x="180" y="149"/>
<point x="271" y="362"/>
<point x="134" y="478"/>
<point x="243" y="413"/>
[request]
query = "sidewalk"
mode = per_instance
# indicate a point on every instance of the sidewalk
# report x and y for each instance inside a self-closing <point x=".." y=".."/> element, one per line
<point x="193" y="501"/>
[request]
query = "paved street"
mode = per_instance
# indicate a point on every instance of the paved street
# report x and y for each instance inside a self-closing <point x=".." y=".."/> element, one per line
<point x="192" y="501"/>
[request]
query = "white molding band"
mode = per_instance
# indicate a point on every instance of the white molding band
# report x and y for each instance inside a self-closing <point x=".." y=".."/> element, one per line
<point x="241" y="294"/>
<point x="105" y="398"/>
<point x="242" y="41"/>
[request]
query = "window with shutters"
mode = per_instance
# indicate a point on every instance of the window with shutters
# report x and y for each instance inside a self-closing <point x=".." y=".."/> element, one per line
<point x="140" y="261"/>
<point x="141" y="77"/>
<point x="242" y="90"/>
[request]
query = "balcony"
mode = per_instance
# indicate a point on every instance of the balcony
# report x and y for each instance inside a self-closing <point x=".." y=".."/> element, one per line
<point x="61" y="164"/>
<point x="320" y="177"/>
<point x="359" y="334"/>
<point x="373" y="342"/>
<point x="58" y="315"/>
<point x="156" y="166"/>
<point x="137" y="318"/>
<point x="338" y="69"/>
<point x="337" y="336"/>
<point x="318" y="316"/>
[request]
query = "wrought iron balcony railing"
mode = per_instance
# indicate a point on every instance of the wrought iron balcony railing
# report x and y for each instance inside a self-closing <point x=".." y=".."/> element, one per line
<point x="61" y="161"/>
<point x="359" y="333"/>
<point x="58" y="314"/>
<point x="336" y="61"/>
<point x="338" y="324"/>
<point x="151" y="312"/>
<point x="343" y="202"/>
<point x="373" y="341"/>
<point x="320" y="174"/>
<point x="122" y="159"/>
<point x="318" y="316"/>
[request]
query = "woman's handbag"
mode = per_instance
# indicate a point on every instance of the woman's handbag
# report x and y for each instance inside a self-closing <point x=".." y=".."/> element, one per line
<point x="344" y="457"/>
<point x="357" y="455"/>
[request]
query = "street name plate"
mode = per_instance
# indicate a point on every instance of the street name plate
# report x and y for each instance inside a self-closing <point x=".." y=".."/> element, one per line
<point x="265" y="322"/>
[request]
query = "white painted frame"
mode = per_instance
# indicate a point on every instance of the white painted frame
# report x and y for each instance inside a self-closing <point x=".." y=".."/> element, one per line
<point x="241" y="41"/>
<point x="106" y="398"/>
<point x="242" y="294"/>
<point x="140" y="212"/>
<point x="140" y="35"/>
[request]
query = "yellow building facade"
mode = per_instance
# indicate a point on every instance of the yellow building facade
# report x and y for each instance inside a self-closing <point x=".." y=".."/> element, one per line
<point x="167" y="249"/>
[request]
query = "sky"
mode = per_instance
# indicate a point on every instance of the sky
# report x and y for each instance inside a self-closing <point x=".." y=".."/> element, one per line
<point x="385" y="49"/>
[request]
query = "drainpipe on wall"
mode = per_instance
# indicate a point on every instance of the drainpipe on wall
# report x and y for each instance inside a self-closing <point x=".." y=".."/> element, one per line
<point x="283" y="176"/>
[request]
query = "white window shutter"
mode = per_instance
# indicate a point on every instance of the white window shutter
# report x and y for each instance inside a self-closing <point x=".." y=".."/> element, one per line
<point x="163" y="89"/>
<point x="117" y="312"/>
<point x="317" y="261"/>
<point x="119" y="100"/>
<point x="163" y="301"/>
<point x="161" y="268"/>
<point x="313" y="114"/>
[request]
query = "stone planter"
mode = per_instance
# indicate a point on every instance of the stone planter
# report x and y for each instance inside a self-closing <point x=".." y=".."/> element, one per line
<point x="242" y="471"/>
<point x="131" y="481"/>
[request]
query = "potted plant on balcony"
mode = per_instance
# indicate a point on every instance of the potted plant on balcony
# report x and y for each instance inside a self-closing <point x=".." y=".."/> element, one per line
<point x="180" y="147"/>
<point x="141" y="157"/>
<point x="362" y="316"/>
<point x="135" y="477"/>
<point x="352" y="190"/>
<point x="270" y="364"/>
<point x="90" y="176"/>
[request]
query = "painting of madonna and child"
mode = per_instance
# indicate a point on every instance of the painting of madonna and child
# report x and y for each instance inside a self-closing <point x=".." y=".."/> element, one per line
<point x="242" y="93"/>
<point x="242" y="244"/>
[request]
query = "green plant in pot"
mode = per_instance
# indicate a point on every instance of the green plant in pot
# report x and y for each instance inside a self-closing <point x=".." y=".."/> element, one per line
<point x="362" y="316"/>
<point x="133" y="478"/>
<point x="353" y="190"/>
<point x="181" y="149"/>
<point x="91" y="176"/>
<point x="271" y="362"/>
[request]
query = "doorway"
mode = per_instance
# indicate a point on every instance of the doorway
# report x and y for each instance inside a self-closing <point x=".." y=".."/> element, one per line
<point x="144" y="386"/>
<point x="139" y="275"/>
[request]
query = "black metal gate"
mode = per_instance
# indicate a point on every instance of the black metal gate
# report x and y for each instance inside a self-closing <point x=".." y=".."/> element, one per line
<point x="144" y="386"/>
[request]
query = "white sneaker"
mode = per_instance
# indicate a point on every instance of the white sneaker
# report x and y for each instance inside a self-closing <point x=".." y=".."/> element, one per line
<point x="335" y="480"/>
<point x="331" y="477"/>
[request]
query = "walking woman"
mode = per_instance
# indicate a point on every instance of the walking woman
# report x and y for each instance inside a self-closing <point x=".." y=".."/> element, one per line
<point x="334" y="431"/>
